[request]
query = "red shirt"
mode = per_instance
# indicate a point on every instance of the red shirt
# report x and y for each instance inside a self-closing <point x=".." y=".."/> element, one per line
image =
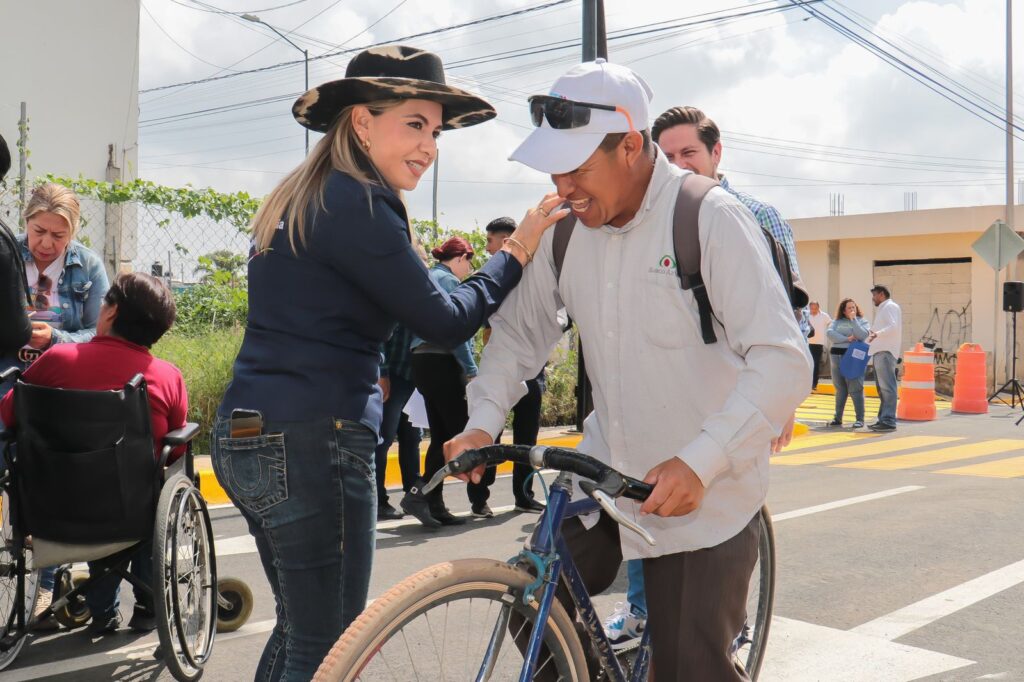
<point x="108" y="363"/>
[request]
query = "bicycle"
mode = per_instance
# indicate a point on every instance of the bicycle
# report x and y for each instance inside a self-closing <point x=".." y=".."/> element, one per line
<point x="473" y="618"/>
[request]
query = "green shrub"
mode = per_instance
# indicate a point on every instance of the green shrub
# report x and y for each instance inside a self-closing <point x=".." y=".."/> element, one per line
<point x="558" y="407"/>
<point x="208" y="306"/>
<point x="205" y="360"/>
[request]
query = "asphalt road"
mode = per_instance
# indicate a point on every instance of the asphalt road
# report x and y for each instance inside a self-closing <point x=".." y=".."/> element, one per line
<point x="887" y="570"/>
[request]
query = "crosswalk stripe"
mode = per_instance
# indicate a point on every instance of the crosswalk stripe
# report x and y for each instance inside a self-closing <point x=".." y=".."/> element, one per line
<point x="940" y="456"/>
<point x="1011" y="467"/>
<point x="820" y="440"/>
<point x="862" y="450"/>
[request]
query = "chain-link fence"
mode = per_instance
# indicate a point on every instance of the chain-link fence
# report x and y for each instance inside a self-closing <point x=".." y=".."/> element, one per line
<point x="149" y="238"/>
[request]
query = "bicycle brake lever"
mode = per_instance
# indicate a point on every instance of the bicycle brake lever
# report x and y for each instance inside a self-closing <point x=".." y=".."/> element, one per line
<point x="608" y="504"/>
<point x="436" y="479"/>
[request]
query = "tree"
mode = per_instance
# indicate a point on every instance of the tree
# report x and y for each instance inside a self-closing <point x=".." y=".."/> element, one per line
<point x="222" y="267"/>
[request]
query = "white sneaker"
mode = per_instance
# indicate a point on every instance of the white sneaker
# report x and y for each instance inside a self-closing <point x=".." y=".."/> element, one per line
<point x="43" y="600"/>
<point x="625" y="626"/>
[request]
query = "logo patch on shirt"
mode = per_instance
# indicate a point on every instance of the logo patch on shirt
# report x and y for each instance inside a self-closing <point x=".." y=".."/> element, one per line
<point x="666" y="266"/>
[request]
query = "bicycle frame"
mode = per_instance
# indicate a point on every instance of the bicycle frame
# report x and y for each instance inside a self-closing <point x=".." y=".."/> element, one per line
<point x="547" y="543"/>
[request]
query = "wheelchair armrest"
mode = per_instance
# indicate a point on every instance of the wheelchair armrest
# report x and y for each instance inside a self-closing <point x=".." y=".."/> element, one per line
<point x="182" y="435"/>
<point x="10" y="374"/>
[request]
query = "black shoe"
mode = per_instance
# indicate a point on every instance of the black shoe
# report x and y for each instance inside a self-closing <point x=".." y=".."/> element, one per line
<point x="143" y="620"/>
<point x="835" y="422"/>
<point x="483" y="511"/>
<point x="416" y="504"/>
<point x="103" y="625"/>
<point x="530" y="506"/>
<point x="882" y="427"/>
<point x="446" y="518"/>
<point x="385" y="512"/>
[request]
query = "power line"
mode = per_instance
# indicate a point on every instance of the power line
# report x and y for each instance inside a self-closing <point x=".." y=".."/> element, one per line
<point x="180" y="46"/>
<point x="279" y="65"/>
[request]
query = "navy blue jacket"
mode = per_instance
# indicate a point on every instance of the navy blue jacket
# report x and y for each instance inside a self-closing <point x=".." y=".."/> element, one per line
<point x="317" y="318"/>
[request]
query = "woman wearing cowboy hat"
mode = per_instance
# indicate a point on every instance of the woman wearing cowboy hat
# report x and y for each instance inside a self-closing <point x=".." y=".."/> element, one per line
<point x="332" y="270"/>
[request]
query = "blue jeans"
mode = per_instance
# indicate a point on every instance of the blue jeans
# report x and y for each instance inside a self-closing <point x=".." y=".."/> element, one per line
<point x="306" y="490"/>
<point x="635" y="593"/>
<point x="885" y="378"/>
<point x="396" y="423"/>
<point x="103" y="596"/>
<point x="853" y="388"/>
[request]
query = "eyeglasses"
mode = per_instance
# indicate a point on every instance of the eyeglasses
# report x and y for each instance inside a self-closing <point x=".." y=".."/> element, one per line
<point x="563" y="114"/>
<point x="41" y="300"/>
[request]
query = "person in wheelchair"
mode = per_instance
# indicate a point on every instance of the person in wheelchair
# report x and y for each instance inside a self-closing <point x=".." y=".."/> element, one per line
<point x="136" y="312"/>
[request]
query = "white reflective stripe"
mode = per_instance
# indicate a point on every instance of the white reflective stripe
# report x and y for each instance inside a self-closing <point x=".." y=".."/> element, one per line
<point x="923" y="385"/>
<point x="927" y="359"/>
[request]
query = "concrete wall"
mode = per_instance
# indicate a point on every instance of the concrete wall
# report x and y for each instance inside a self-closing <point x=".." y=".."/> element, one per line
<point x="76" y="65"/>
<point x="863" y="240"/>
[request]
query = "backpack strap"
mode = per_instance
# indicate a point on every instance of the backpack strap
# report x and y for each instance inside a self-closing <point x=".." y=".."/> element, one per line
<point x="686" y="242"/>
<point x="563" y="233"/>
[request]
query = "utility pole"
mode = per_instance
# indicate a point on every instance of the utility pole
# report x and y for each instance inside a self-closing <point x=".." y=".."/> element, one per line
<point x="595" y="44"/>
<point x="1011" y="272"/>
<point x="305" y="55"/>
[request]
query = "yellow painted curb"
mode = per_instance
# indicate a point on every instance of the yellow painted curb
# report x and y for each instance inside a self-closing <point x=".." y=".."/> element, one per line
<point x="828" y="389"/>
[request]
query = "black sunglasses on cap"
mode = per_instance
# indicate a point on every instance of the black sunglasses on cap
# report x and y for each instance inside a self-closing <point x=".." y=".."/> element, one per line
<point x="563" y="114"/>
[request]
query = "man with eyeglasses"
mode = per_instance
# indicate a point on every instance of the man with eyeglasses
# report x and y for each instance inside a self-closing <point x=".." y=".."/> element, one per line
<point x="695" y="419"/>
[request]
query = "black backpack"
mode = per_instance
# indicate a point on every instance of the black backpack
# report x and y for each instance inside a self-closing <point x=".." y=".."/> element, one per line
<point x="686" y="243"/>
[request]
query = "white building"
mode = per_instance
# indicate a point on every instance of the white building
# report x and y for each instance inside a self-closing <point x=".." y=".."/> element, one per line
<point x="948" y="294"/>
<point x="75" y="64"/>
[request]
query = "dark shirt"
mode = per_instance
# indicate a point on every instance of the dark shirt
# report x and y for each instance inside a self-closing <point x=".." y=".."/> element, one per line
<point x="318" y="317"/>
<point x="15" y="328"/>
<point x="397" y="352"/>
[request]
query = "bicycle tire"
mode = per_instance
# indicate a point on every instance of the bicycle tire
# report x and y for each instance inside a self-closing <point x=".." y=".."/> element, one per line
<point x="435" y="587"/>
<point x="766" y="596"/>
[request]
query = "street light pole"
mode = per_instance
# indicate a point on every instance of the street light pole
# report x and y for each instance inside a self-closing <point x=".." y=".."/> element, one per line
<point x="305" y="56"/>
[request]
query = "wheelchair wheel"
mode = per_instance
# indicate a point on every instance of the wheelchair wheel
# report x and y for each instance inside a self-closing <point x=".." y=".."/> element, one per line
<point x="9" y="582"/>
<point x="76" y="613"/>
<point x="184" y="579"/>
<point x="239" y="604"/>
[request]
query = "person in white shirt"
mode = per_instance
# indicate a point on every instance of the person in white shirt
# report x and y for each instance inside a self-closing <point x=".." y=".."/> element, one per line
<point x="695" y="420"/>
<point x="886" y="339"/>
<point x="819" y="323"/>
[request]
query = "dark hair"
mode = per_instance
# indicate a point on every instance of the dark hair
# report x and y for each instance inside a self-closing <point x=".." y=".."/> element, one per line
<point x="453" y="248"/>
<point x="613" y="140"/>
<point x="503" y="224"/>
<point x="5" y="158"/>
<point x="707" y="130"/>
<point x="145" y="307"/>
<point x="882" y="290"/>
<point x="842" y="306"/>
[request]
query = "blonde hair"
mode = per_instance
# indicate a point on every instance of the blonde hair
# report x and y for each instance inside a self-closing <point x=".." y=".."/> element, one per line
<point x="340" y="150"/>
<point x="57" y="199"/>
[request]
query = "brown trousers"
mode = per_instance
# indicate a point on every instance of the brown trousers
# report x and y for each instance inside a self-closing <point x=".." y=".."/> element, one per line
<point x="696" y="601"/>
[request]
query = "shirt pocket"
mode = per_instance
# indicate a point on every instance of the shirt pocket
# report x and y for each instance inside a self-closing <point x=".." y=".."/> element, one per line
<point x="255" y="470"/>
<point x="668" y="315"/>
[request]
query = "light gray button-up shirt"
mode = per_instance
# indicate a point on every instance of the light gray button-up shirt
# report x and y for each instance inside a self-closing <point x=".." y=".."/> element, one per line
<point x="659" y="391"/>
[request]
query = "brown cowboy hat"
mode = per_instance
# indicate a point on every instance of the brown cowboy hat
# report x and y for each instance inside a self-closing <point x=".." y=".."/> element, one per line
<point x="391" y="72"/>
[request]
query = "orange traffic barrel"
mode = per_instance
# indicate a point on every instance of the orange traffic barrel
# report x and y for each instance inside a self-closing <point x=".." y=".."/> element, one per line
<point x="970" y="394"/>
<point x="917" y="391"/>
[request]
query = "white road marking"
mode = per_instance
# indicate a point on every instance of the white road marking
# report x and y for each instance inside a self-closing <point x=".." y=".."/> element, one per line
<point x="806" y="511"/>
<point x="915" y="616"/>
<point x="803" y="652"/>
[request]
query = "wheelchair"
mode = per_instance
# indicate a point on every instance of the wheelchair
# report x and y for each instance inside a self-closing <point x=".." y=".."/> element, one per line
<point x="80" y="483"/>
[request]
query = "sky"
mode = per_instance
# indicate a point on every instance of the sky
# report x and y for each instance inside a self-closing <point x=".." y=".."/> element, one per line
<point x="806" y="113"/>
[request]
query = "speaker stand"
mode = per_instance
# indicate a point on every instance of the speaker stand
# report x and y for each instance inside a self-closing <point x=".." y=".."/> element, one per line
<point x="1012" y="386"/>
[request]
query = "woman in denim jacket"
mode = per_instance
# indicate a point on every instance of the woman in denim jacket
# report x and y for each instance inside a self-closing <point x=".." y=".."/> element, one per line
<point x="848" y="326"/>
<point x="66" y="283"/>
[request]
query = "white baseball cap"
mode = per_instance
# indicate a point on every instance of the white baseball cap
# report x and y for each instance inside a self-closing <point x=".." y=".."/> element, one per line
<point x="556" y="151"/>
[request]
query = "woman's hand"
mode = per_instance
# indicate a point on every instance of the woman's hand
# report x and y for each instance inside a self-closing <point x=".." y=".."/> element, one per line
<point x="42" y="335"/>
<point x="851" y="337"/>
<point x="533" y="225"/>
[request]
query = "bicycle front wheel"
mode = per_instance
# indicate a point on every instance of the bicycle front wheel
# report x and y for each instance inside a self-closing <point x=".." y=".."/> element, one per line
<point x="458" y="620"/>
<point x="749" y="646"/>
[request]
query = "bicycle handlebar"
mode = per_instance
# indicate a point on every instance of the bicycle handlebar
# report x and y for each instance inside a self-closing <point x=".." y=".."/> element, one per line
<point x="606" y="479"/>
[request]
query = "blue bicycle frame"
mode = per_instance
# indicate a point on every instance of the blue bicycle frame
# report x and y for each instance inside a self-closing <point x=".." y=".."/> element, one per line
<point x="547" y="544"/>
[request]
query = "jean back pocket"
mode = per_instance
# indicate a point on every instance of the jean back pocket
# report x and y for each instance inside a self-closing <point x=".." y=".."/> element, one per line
<point x="255" y="470"/>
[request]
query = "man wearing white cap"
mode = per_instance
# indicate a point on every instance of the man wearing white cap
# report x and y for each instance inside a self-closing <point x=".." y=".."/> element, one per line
<point x="695" y="419"/>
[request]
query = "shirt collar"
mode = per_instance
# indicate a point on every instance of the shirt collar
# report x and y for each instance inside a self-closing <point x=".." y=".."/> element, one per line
<point x="723" y="182"/>
<point x="664" y="172"/>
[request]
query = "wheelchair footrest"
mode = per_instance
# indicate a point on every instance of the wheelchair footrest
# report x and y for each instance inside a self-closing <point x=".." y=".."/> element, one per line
<point x="8" y="641"/>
